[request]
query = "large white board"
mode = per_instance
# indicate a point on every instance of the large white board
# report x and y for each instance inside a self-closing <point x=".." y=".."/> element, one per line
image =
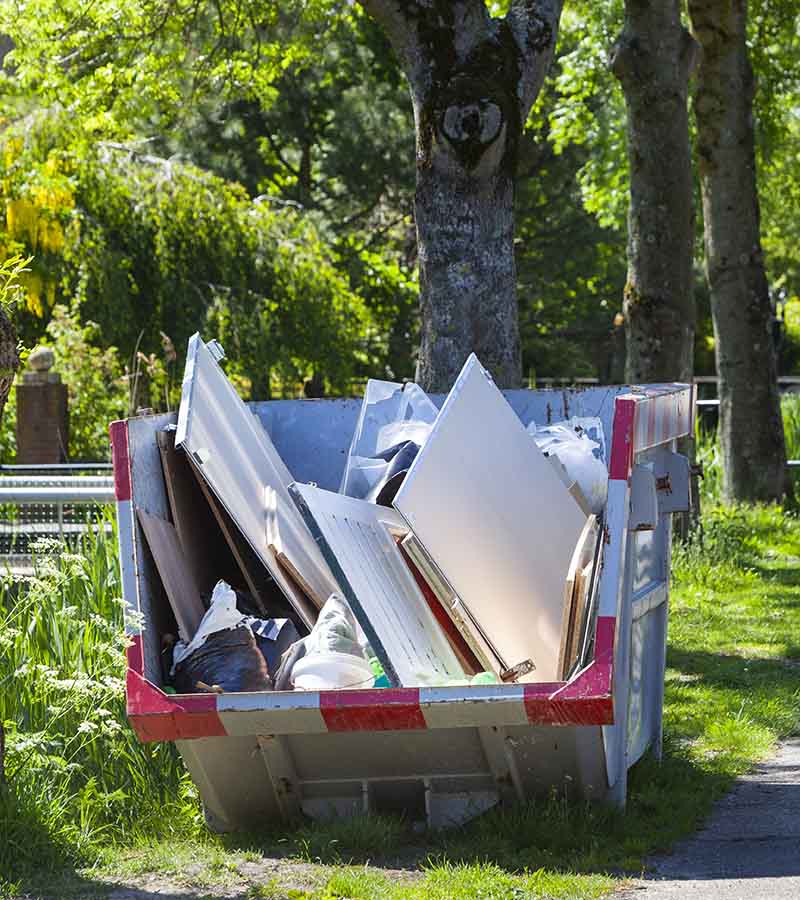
<point x="498" y="521"/>
<point x="359" y="540"/>
<point x="235" y="456"/>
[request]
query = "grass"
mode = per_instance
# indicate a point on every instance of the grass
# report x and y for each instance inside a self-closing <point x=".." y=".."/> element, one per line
<point x="92" y="803"/>
<point x="708" y="452"/>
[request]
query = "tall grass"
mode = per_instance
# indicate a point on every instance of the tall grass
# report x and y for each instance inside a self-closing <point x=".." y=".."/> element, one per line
<point x="76" y="775"/>
<point x="708" y="453"/>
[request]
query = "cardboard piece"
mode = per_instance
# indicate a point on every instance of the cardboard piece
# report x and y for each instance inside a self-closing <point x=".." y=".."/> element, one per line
<point x="359" y="541"/>
<point x="491" y="511"/>
<point x="202" y="541"/>
<point x="175" y="573"/>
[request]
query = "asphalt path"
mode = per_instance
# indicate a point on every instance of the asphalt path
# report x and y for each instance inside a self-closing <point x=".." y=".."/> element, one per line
<point x="750" y="848"/>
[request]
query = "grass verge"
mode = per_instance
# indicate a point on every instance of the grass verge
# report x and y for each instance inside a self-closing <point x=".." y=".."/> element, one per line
<point x="732" y="690"/>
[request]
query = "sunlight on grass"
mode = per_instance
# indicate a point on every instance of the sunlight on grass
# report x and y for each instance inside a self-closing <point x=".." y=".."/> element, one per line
<point x="732" y="690"/>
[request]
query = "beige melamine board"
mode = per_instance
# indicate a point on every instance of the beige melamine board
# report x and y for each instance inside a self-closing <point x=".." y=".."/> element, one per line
<point x="175" y="574"/>
<point x="236" y="458"/>
<point x="497" y="519"/>
<point x="451" y="603"/>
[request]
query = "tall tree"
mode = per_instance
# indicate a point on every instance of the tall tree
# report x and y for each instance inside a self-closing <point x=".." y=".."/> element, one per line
<point x="653" y="58"/>
<point x="750" y="425"/>
<point x="473" y="78"/>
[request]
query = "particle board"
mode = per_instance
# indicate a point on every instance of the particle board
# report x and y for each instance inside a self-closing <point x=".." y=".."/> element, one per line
<point x="175" y="573"/>
<point x="359" y="541"/>
<point x="497" y="519"/>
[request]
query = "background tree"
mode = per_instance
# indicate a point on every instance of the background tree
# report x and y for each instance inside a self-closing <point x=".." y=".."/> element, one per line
<point x="750" y="425"/>
<point x="652" y="58"/>
<point x="473" y="80"/>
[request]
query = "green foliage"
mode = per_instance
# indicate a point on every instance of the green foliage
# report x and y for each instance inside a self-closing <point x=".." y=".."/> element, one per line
<point x="708" y="452"/>
<point x="178" y="250"/>
<point x="11" y="291"/>
<point x="76" y="774"/>
<point x="80" y="782"/>
<point x="589" y="110"/>
<point x="97" y="386"/>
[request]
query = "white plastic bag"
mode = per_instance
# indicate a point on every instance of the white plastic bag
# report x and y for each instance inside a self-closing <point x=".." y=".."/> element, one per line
<point x="331" y="657"/>
<point x="582" y="457"/>
<point x="221" y="615"/>
<point x="390" y="414"/>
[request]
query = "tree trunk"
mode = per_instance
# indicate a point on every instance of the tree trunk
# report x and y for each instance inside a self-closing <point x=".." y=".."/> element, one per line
<point x="652" y="59"/>
<point x="466" y="160"/>
<point x="473" y="79"/>
<point x="9" y="363"/>
<point x="750" y="423"/>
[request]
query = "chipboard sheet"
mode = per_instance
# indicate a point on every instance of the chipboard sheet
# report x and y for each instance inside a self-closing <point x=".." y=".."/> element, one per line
<point x="494" y="515"/>
<point x="360" y="542"/>
<point x="236" y="458"/>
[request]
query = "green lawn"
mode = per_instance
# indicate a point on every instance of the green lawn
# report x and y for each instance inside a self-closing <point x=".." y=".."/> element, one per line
<point x="732" y="690"/>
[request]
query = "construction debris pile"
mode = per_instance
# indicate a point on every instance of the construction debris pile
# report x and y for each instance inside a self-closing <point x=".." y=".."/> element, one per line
<point x="461" y="548"/>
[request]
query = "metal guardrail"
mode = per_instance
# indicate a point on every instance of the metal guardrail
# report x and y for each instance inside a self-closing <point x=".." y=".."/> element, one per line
<point x="48" y="502"/>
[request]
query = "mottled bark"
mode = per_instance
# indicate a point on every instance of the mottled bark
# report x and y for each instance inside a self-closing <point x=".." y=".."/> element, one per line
<point x="473" y="80"/>
<point x="9" y="357"/>
<point x="652" y="59"/>
<point x="9" y="363"/>
<point x="750" y="424"/>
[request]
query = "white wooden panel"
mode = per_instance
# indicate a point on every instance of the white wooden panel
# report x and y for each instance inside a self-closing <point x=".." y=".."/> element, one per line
<point x="359" y="540"/>
<point x="236" y="458"/>
<point x="496" y="518"/>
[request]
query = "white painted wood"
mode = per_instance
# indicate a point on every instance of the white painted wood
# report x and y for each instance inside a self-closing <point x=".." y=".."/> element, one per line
<point x="359" y="540"/>
<point x="498" y="521"/>
<point x="236" y="458"/>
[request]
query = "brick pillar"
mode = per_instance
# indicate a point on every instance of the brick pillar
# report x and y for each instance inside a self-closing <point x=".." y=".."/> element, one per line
<point x="42" y="414"/>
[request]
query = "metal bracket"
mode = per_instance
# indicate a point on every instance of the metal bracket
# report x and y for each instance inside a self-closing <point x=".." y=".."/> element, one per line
<point x="516" y="672"/>
<point x="216" y="349"/>
<point x="644" y="500"/>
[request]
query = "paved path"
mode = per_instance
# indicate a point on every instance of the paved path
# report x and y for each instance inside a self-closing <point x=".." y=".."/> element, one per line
<point x="750" y="849"/>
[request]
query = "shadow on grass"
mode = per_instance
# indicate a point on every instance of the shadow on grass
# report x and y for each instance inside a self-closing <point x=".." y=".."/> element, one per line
<point x="666" y="801"/>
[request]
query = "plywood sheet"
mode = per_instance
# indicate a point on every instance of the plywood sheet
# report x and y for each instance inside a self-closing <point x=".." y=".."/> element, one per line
<point x="236" y="458"/>
<point x="201" y="540"/>
<point x="359" y="540"/>
<point x="575" y="596"/>
<point x="176" y="576"/>
<point x="497" y="519"/>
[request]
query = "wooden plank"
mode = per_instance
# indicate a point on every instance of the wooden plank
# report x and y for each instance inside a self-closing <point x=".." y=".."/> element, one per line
<point x="176" y="576"/>
<point x="574" y="594"/>
<point x="497" y="519"/>
<point x="264" y="592"/>
<point x="200" y="537"/>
